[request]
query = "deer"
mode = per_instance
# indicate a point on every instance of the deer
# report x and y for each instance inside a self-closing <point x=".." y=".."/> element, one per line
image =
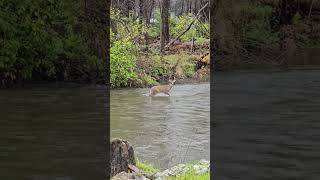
<point x="162" y="88"/>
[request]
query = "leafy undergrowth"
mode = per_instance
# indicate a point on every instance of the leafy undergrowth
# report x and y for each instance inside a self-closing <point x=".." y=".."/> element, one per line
<point x="159" y="68"/>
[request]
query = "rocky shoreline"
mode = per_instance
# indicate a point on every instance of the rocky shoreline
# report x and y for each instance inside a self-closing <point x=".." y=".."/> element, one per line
<point x="198" y="168"/>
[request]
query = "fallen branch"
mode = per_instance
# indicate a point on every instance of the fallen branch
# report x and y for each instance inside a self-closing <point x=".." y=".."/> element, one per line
<point x="188" y="28"/>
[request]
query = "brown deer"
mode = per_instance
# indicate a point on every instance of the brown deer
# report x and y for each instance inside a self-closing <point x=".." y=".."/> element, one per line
<point x="162" y="88"/>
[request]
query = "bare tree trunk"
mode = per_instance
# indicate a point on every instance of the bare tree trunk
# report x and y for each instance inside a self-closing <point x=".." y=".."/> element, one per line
<point x="195" y="7"/>
<point x="164" y="37"/>
<point x="214" y="6"/>
<point x="85" y="7"/>
<point x="175" y="9"/>
<point x="148" y="8"/>
<point x="114" y="28"/>
<point x="136" y="9"/>
<point x="141" y="2"/>
<point x="182" y="6"/>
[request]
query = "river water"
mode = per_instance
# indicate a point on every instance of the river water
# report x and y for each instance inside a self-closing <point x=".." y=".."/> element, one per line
<point x="266" y="125"/>
<point x="164" y="131"/>
<point x="52" y="132"/>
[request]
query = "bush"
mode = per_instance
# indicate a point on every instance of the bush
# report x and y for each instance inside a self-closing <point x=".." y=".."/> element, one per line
<point x="254" y="27"/>
<point x="122" y="63"/>
<point x="40" y="42"/>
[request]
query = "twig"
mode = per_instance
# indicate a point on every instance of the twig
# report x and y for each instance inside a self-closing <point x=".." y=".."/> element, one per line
<point x="310" y="8"/>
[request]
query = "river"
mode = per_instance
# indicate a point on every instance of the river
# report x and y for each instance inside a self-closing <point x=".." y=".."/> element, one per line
<point x="53" y="132"/>
<point x="266" y="125"/>
<point x="164" y="131"/>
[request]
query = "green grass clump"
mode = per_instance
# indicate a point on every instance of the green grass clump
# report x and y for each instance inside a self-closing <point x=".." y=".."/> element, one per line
<point x="146" y="167"/>
<point x="192" y="176"/>
<point x="189" y="175"/>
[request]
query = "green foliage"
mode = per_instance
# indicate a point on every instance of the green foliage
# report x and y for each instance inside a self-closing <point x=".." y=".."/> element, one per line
<point x="145" y="80"/>
<point x="127" y="27"/>
<point x="39" y="42"/>
<point x="253" y="25"/>
<point x="159" y="67"/>
<point x="198" y="30"/>
<point x="154" y="30"/>
<point x="188" y="69"/>
<point x="129" y="64"/>
<point x="122" y="63"/>
<point x="162" y="66"/>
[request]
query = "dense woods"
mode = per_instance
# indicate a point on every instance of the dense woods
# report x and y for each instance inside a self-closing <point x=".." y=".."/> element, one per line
<point x="152" y="40"/>
<point x="56" y="40"/>
<point x="265" y="33"/>
<point x="64" y="40"/>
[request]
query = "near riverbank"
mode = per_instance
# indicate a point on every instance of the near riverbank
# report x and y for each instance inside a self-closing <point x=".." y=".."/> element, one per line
<point x="192" y="171"/>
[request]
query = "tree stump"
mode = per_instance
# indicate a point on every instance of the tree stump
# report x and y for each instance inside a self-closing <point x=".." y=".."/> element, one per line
<point x="122" y="156"/>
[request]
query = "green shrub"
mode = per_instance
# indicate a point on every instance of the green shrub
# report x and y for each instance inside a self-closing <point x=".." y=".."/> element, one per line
<point x="189" y="69"/>
<point x="254" y="27"/>
<point x="122" y="63"/>
<point x="159" y="67"/>
<point x="40" y="42"/>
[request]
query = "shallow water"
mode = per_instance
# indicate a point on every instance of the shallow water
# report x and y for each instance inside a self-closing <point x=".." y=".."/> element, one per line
<point x="267" y="125"/>
<point x="164" y="131"/>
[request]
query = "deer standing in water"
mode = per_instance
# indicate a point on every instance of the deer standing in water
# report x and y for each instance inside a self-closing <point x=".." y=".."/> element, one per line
<point x="162" y="88"/>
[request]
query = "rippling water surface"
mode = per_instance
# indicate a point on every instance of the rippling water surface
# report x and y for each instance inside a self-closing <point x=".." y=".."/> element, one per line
<point x="267" y="125"/>
<point x="164" y="131"/>
<point x="52" y="132"/>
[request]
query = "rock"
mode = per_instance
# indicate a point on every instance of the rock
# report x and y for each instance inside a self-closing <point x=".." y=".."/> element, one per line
<point x="122" y="176"/>
<point x="203" y="166"/>
<point x="129" y="176"/>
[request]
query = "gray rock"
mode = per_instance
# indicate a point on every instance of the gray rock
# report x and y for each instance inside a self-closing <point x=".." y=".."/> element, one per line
<point x="203" y="166"/>
<point x="129" y="176"/>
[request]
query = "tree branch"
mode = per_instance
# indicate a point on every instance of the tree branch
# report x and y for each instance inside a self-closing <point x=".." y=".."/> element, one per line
<point x="188" y="28"/>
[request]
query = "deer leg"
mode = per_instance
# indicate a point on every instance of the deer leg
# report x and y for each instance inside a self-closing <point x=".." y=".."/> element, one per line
<point x="168" y="94"/>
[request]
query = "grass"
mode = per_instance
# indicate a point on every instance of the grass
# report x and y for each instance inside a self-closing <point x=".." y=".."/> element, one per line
<point x="146" y="167"/>
<point x="192" y="176"/>
<point x="185" y="67"/>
